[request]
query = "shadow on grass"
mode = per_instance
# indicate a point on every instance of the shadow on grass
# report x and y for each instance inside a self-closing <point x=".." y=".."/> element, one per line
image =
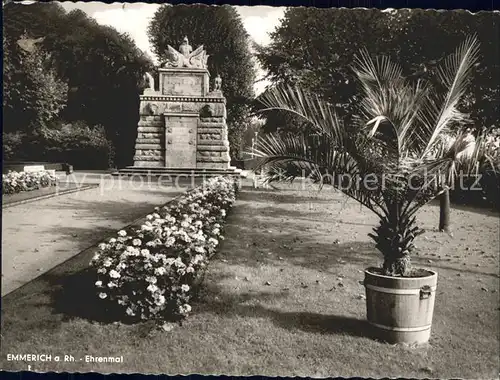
<point x="287" y="196"/>
<point x="74" y="296"/>
<point x="248" y="305"/>
<point x="272" y="235"/>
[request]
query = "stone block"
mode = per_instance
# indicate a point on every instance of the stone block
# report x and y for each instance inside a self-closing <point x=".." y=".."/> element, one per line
<point x="150" y="129"/>
<point x="183" y="83"/>
<point x="206" y="138"/>
<point x="148" y="158"/>
<point x="203" y="144"/>
<point x="212" y="165"/>
<point x="205" y="124"/>
<point x="211" y="119"/>
<point x="213" y="147"/>
<point x="148" y="146"/>
<point x="217" y="129"/>
<point x="148" y="141"/>
<point x="211" y="159"/>
<point x="173" y="107"/>
<point x="149" y="152"/>
<point x="149" y="164"/>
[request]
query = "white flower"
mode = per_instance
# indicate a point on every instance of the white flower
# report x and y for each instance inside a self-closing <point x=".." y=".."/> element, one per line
<point x="223" y="212"/>
<point x="107" y="262"/>
<point x="149" y="217"/>
<point x="169" y="261"/>
<point x="98" y="283"/>
<point x="112" y="241"/>
<point x="184" y="309"/>
<point x="96" y="257"/>
<point x="216" y="231"/>
<point x="197" y="259"/>
<point x="160" y="300"/>
<point x="122" y="233"/>
<point x="136" y="242"/>
<point x="102" y="295"/>
<point x="160" y="271"/>
<point x="151" y="279"/>
<point x="102" y="246"/>
<point x="130" y="312"/>
<point x="213" y="241"/>
<point x="112" y="285"/>
<point x="184" y="224"/>
<point x="178" y="263"/>
<point x="102" y="270"/>
<point x="170" y="241"/>
<point x="185" y="288"/>
<point x="199" y="249"/>
<point x="190" y="269"/>
<point x="114" y="274"/>
<point x="152" y="288"/>
<point x="144" y="252"/>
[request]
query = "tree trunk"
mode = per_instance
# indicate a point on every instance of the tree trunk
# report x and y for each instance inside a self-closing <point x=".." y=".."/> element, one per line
<point x="444" y="211"/>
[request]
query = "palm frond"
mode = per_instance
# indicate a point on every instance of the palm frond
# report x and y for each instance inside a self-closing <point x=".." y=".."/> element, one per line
<point x="309" y="107"/>
<point x="454" y="73"/>
<point x="287" y="157"/>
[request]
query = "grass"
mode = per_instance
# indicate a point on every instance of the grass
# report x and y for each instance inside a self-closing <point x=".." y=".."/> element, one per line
<point x="281" y="298"/>
<point x="41" y="193"/>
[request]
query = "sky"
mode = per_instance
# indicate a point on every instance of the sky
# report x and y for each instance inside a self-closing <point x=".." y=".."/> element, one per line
<point x="133" y="18"/>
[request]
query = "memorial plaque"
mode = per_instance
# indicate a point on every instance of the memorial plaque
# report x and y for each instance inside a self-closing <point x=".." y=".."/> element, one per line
<point x="183" y="84"/>
<point x="180" y="138"/>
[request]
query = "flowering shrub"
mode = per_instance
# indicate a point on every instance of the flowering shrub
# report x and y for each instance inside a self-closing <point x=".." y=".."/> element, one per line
<point x="16" y="182"/>
<point x="150" y="271"/>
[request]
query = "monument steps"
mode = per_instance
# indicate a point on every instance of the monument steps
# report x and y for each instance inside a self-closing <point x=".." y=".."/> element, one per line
<point x="176" y="172"/>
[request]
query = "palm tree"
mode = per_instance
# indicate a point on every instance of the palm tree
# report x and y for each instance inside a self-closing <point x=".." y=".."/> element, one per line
<point x="383" y="158"/>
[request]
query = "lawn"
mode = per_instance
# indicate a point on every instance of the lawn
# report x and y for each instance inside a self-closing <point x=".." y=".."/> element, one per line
<point x="42" y="193"/>
<point x="282" y="297"/>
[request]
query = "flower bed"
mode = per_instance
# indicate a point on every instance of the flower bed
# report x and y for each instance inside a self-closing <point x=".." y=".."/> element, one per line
<point x="16" y="182"/>
<point x="151" y="271"/>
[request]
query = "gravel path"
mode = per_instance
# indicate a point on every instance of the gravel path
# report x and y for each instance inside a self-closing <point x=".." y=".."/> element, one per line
<point x="38" y="236"/>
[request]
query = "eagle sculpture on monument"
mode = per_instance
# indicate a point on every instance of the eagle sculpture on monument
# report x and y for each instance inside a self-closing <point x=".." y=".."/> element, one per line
<point x="186" y="57"/>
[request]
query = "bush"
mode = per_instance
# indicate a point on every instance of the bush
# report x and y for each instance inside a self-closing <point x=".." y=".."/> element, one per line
<point x="12" y="144"/>
<point x="16" y="182"/>
<point x="151" y="271"/>
<point x="82" y="146"/>
<point x="483" y="191"/>
<point x="75" y="143"/>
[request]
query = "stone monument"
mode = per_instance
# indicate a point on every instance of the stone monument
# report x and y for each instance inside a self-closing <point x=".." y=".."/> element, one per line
<point x="182" y="126"/>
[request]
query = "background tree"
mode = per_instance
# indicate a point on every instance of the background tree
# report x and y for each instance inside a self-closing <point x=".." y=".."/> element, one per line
<point x="103" y="68"/>
<point x="221" y="31"/>
<point x="314" y="48"/>
<point x="33" y="93"/>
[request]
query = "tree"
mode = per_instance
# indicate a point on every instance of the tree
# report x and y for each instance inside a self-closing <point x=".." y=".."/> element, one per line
<point x="314" y="48"/>
<point x="103" y="68"/>
<point x="33" y="93"/>
<point x="221" y="31"/>
<point x="383" y="155"/>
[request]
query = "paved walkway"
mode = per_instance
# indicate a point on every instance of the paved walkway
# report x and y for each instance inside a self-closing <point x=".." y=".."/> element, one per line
<point x="39" y="235"/>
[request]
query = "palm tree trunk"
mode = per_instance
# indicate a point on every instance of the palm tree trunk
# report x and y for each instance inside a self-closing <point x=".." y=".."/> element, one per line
<point x="444" y="211"/>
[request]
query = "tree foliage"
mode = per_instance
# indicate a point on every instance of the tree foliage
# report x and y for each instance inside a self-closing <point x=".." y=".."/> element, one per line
<point x="102" y="67"/>
<point x="315" y="48"/>
<point x="224" y="37"/>
<point x="33" y="93"/>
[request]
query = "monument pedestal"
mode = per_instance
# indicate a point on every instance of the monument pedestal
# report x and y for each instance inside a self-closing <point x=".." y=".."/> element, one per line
<point x="182" y="128"/>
